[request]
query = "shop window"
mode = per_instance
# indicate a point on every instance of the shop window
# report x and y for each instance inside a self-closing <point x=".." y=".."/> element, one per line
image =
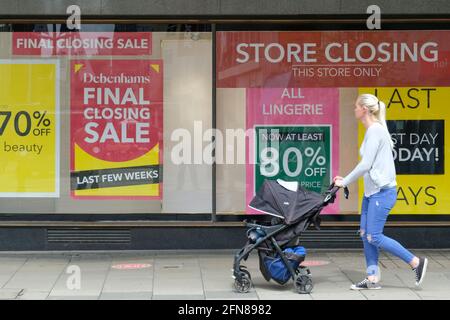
<point x="87" y="119"/>
<point x="293" y="92"/>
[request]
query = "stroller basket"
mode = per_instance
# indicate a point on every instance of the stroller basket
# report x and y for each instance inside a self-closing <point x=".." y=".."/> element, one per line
<point x="275" y="268"/>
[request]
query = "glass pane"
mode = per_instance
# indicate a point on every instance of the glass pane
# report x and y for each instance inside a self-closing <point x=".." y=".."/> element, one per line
<point x="90" y="121"/>
<point x="294" y="93"/>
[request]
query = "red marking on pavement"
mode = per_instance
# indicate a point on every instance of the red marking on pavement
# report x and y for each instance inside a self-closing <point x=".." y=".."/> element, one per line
<point x="131" y="266"/>
<point x="314" y="263"/>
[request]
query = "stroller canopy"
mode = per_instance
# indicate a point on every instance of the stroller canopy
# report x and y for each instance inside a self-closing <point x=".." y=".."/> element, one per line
<point x="276" y="200"/>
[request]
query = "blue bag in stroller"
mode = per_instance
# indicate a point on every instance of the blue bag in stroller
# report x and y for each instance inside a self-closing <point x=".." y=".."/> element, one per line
<point x="278" y="270"/>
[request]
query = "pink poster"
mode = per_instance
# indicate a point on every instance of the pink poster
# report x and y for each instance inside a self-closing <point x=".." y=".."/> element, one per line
<point x="116" y="125"/>
<point x="296" y="138"/>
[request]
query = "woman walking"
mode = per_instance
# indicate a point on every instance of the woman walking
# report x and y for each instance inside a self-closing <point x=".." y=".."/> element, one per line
<point x="380" y="192"/>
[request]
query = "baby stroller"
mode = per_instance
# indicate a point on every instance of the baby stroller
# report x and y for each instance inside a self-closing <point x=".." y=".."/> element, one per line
<point x="293" y="209"/>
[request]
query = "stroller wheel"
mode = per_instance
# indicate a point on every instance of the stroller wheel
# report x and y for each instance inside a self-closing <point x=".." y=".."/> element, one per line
<point x="244" y="270"/>
<point x="303" y="270"/>
<point x="303" y="284"/>
<point x="244" y="285"/>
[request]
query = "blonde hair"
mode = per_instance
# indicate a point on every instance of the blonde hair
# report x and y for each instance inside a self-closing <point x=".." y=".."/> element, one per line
<point x="377" y="108"/>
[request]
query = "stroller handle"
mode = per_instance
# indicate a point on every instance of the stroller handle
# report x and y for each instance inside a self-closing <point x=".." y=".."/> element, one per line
<point x="333" y="189"/>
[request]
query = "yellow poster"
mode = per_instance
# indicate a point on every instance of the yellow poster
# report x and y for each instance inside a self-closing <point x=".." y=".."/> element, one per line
<point x="29" y="128"/>
<point x="416" y="118"/>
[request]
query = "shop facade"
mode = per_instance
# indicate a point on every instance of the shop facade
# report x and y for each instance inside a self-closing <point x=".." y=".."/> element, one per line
<point x="143" y="130"/>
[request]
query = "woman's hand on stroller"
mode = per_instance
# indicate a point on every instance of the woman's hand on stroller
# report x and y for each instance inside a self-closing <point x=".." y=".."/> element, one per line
<point x="338" y="181"/>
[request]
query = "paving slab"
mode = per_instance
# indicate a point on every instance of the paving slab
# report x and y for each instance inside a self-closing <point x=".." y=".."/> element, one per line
<point x="350" y="295"/>
<point x="187" y="275"/>
<point x="391" y="293"/>
<point x="445" y="253"/>
<point x="137" y="282"/>
<point x="8" y="268"/>
<point x="293" y="296"/>
<point x="32" y="295"/>
<point x="129" y="276"/>
<point x="126" y="296"/>
<point x="37" y="274"/>
<point x="177" y="286"/>
<point x="218" y="284"/>
<point x="73" y="297"/>
<point x="227" y="295"/>
<point x="91" y="281"/>
<point x="272" y="291"/>
<point x="9" y="294"/>
<point x="437" y="295"/>
<point x="178" y="297"/>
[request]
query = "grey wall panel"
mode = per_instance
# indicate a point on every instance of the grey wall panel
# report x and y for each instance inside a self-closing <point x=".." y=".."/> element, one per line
<point x="280" y="7"/>
<point x="57" y="7"/>
<point x="160" y="7"/>
<point x="396" y="7"/>
<point x="22" y="239"/>
<point x="9" y="7"/>
<point x="221" y="7"/>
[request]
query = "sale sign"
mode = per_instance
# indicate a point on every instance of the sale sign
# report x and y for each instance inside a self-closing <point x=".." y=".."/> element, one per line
<point x="416" y="119"/>
<point x="81" y="43"/>
<point x="296" y="138"/>
<point x="29" y="128"/>
<point x="116" y="128"/>
<point x="419" y="146"/>
<point x="333" y="59"/>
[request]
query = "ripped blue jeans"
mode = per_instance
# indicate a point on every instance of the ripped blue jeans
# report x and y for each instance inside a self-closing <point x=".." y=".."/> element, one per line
<point x="374" y="212"/>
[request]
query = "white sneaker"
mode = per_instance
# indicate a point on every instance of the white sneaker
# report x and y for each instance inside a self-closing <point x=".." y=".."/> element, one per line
<point x="366" y="285"/>
<point x="421" y="270"/>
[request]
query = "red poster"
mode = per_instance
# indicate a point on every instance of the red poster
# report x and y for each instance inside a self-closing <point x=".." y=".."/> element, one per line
<point x="333" y="59"/>
<point x="116" y="128"/>
<point x="81" y="43"/>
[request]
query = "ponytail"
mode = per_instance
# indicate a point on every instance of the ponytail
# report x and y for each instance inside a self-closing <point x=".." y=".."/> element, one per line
<point x="382" y="120"/>
<point x="378" y="109"/>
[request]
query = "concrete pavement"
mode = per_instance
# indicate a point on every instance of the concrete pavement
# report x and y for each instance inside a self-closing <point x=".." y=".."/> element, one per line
<point x="199" y="275"/>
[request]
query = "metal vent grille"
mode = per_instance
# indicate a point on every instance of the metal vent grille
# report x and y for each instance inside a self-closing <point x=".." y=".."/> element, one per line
<point x="330" y="236"/>
<point x="93" y="236"/>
